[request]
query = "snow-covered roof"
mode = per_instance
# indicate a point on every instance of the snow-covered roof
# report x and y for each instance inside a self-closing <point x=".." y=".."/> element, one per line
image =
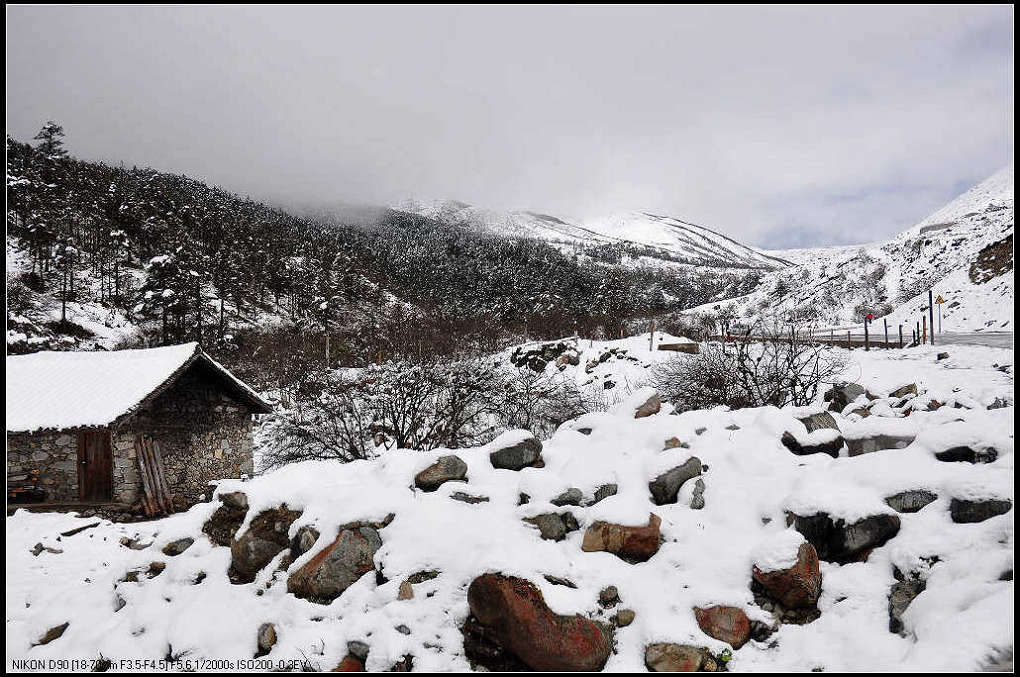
<point x="58" y="390"/>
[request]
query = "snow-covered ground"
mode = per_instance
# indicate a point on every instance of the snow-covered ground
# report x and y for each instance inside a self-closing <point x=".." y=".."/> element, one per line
<point x="963" y="618"/>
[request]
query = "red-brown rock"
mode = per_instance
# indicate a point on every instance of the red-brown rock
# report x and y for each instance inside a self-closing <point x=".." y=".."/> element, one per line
<point x="629" y="543"/>
<point x="725" y="623"/>
<point x="350" y="664"/>
<point x="669" y="657"/>
<point x="797" y="587"/>
<point x="524" y="625"/>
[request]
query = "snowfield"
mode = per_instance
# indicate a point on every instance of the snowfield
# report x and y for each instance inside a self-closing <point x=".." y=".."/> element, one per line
<point x="962" y="619"/>
<point x="837" y="286"/>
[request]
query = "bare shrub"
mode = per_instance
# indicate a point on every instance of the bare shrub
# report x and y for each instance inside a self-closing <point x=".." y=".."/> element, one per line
<point x="541" y="403"/>
<point x="762" y="367"/>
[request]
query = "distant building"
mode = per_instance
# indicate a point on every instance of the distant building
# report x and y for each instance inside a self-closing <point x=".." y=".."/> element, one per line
<point x="143" y="428"/>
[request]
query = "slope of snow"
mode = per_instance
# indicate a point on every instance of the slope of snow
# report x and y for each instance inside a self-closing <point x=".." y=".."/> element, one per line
<point x="684" y="239"/>
<point x="655" y="237"/>
<point x="836" y="287"/>
<point x="962" y="618"/>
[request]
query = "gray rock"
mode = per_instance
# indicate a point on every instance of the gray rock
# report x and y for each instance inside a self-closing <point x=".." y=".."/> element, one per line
<point x="447" y="469"/>
<point x="554" y="526"/>
<point x="623" y="618"/>
<point x="967" y="454"/>
<point x="968" y="512"/>
<point x="911" y="500"/>
<point x="604" y="492"/>
<point x="303" y="541"/>
<point x="904" y="391"/>
<point x="523" y="454"/>
<point x="866" y="445"/>
<point x="843" y="394"/>
<point x="942" y="356"/>
<point x="572" y="496"/>
<point x="902" y="593"/>
<point x="609" y="596"/>
<point x="266" y="639"/>
<point x="265" y="538"/>
<point x="337" y="566"/>
<point x="468" y="498"/>
<point x="174" y="548"/>
<point x="235" y="499"/>
<point x="698" y="498"/>
<point x="665" y="487"/>
<point x="819" y="421"/>
<point x="358" y="649"/>
<point x="837" y="541"/>
<point x="831" y="448"/>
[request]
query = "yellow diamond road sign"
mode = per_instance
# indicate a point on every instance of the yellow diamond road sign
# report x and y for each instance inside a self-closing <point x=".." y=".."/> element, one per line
<point x="940" y="299"/>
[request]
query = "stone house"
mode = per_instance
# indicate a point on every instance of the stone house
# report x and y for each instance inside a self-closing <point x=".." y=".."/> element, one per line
<point x="80" y="423"/>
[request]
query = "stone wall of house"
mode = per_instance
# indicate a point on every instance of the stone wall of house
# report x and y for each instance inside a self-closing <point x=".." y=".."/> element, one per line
<point x="53" y="454"/>
<point x="203" y="435"/>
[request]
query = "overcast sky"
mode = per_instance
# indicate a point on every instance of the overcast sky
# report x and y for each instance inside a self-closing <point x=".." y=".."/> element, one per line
<point x="777" y="126"/>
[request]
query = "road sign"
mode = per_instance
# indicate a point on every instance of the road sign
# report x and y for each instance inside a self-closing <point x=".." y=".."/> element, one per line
<point x="940" y="299"/>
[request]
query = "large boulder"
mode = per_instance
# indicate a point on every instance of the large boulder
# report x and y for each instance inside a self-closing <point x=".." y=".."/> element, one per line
<point x="447" y="469"/>
<point x="669" y="657"/>
<point x="632" y="544"/>
<point x="337" y="566"/>
<point x="554" y="526"/>
<point x="726" y="623"/>
<point x="794" y="587"/>
<point x="965" y="511"/>
<point x="666" y="486"/>
<point x="265" y="538"/>
<point x="840" y="542"/>
<point x="516" y="452"/>
<point x="520" y="620"/>
<point x="911" y="500"/>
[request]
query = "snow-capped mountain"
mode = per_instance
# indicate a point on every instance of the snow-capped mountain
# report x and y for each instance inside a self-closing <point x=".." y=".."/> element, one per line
<point x="645" y="236"/>
<point x="962" y="252"/>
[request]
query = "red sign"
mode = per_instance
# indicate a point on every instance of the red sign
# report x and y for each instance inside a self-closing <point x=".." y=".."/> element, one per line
<point x="870" y="317"/>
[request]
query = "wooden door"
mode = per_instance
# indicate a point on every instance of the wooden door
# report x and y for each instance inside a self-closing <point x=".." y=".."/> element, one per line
<point x="95" y="465"/>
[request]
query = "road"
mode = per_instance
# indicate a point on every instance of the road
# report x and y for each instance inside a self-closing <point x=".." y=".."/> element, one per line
<point x="992" y="339"/>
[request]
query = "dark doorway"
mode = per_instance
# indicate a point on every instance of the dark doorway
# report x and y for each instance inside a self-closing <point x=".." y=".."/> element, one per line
<point x="95" y="465"/>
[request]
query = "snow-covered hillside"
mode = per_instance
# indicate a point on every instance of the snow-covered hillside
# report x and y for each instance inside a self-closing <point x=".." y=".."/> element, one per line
<point x="382" y="563"/>
<point x="962" y="252"/>
<point x="649" y="236"/>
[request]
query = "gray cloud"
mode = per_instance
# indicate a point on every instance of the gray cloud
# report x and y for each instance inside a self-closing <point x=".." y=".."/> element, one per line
<point x="773" y="125"/>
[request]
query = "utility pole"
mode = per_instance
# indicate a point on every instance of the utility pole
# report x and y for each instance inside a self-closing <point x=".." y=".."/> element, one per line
<point x="931" y="316"/>
<point x="885" y="323"/>
<point x="867" y="342"/>
<point x="901" y="336"/>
